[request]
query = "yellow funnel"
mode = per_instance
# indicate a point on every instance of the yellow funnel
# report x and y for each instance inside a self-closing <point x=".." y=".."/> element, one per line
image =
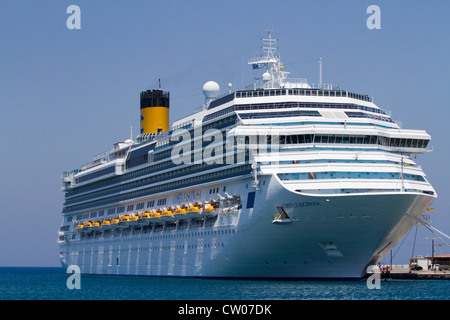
<point x="154" y="111"/>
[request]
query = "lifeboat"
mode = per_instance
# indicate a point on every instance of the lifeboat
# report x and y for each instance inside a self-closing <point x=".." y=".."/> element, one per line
<point x="106" y="224"/>
<point x="194" y="211"/>
<point x="180" y="213"/>
<point x="155" y="216"/>
<point x="124" y="220"/>
<point x="143" y="218"/>
<point x="87" y="224"/>
<point x="114" y="222"/>
<point x="95" y="226"/>
<point x="167" y="215"/>
<point x="210" y="209"/>
<point x="134" y="220"/>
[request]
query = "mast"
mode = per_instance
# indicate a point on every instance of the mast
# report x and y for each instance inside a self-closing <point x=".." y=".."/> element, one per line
<point x="273" y="77"/>
<point x="268" y="46"/>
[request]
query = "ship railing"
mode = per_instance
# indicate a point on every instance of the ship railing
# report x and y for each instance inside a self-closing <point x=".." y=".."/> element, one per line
<point x="326" y="86"/>
<point x="95" y="163"/>
<point x="101" y="156"/>
<point x="297" y="80"/>
<point x="288" y="84"/>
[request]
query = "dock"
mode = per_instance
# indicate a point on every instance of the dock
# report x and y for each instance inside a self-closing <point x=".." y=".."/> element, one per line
<point x="419" y="275"/>
<point x="404" y="272"/>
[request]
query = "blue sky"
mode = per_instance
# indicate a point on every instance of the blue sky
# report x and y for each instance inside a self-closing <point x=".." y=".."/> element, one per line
<point x="66" y="95"/>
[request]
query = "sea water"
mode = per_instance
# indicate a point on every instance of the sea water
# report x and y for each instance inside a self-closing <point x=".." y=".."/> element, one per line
<point x="51" y="284"/>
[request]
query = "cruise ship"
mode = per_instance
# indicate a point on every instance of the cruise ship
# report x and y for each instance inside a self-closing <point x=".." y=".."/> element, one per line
<point x="284" y="179"/>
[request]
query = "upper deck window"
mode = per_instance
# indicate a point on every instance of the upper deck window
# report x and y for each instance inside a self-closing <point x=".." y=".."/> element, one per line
<point x="354" y="139"/>
<point x="301" y="92"/>
<point x="260" y="93"/>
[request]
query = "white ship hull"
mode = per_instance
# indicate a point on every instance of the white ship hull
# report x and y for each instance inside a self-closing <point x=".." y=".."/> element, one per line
<point x="282" y="179"/>
<point x="330" y="237"/>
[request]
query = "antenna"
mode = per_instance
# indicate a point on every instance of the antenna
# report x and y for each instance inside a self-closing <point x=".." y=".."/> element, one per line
<point x="159" y="84"/>
<point x="267" y="45"/>
<point x="320" y="72"/>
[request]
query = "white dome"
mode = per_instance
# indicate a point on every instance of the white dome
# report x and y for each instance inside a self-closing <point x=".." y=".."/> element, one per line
<point x="211" y="90"/>
<point x="266" y="76"/>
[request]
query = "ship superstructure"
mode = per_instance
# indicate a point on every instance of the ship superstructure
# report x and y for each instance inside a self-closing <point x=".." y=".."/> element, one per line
<point x="283" y="179"/>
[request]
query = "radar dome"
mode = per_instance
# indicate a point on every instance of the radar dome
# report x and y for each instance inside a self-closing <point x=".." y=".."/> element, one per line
<point x="211" y="90"/>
